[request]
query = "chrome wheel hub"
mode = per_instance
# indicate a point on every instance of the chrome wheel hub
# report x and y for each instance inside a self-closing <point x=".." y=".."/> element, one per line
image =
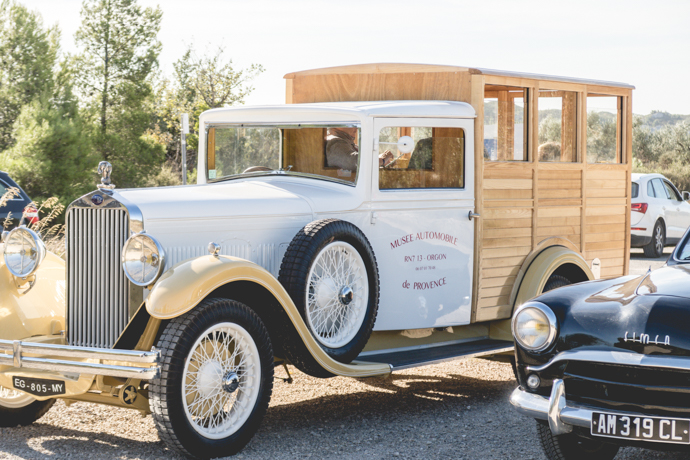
<point x="231" y="382"/>
<point x="346" y="295"/>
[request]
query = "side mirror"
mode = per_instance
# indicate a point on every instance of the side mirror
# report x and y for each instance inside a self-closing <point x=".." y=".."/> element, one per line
<point x="686" y="195"/>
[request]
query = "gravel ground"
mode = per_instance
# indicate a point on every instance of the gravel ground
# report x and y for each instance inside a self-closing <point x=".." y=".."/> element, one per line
<point x="453" y="410"/>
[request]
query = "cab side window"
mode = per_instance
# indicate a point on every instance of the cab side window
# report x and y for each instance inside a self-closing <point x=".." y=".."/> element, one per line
<point x="421" y="157"/>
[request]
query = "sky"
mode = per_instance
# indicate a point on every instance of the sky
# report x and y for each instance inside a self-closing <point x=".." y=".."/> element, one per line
<point x="646" y="44"/>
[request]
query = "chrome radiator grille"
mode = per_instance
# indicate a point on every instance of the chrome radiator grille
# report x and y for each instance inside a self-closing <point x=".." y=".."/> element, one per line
<point x="97" y="288"/>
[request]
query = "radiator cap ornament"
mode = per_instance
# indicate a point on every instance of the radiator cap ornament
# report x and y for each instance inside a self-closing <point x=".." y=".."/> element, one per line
<point x="104" y="169"/>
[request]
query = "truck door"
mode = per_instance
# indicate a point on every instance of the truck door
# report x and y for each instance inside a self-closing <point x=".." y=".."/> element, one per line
<point x="422" y="235"/>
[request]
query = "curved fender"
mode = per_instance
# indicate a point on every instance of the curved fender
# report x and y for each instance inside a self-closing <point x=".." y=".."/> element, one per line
<point x="37" y="312"/>
<point x="542" y="267"/>
<point x="181" y="288"/>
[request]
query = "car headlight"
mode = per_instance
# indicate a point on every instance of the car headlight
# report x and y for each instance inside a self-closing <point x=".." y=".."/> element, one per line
<point x="534" y="326"/>
<point x="143" y="259"/>
<point x="24" y="251"/>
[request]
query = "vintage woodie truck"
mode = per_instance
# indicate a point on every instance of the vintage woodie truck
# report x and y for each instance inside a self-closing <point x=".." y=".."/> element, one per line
<point x="388" y="216"/>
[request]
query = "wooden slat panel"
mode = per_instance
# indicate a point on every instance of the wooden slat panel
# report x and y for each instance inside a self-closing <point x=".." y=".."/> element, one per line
<point x="558" y="166"/>
<point x="560" y="202"/>
<point x="568" y="193"/>
<point x="513" y="173"/>
<point x="607" y="175"/>
<point x="612" y="219"/>
<point x="558" y="212"/>
<point x="500" y="291"/>
<point x="617" y="184"/>
<point x="503" y="281"/>
<point x="507" y="242"/>
<point x="500" y="271"/>
<point x="507" y="223"/>
<point x="605" y="210"/>
<point x="493" y="301"/>
<point x="506" y="232"/>
<point x="559" y="184"/>
<point x="603" y="254"/>
<point x="597" y="237"/>
<point x="560" y="175"/>
<point x="605" y="228"/>
<point x="566" y="230"/>
<point x="508" y="213"/>
<point x="606" y="245"/>
<point x="575" y="239"/>
<point x="503" y="262"/>
<point x="557" y="221"/>
<point x="506" y="194"/>
<point x="507" y="203"/>
<point x="607" y="201"/>
<point x="505" y="252"/>
<point x="497" y="312"/>
<point x="507" y="184"/>
<point x="605" y="192"/>
<point x="610" y="272"/>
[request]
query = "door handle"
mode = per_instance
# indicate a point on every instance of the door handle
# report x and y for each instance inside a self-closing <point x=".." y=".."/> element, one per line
<point x="473" y="215"/>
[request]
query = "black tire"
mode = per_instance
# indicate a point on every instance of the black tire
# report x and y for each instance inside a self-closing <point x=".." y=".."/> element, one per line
<point x="12" y="415"/>
<point x="175" y="427"/>
<point x="655" y="248"/>
<point x="573" y="447"/>
<point x="556" y="281"/>
<point x="295" y="269"/>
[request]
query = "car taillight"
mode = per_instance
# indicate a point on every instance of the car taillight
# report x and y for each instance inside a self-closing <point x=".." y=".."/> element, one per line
<point x="639" y="207"/>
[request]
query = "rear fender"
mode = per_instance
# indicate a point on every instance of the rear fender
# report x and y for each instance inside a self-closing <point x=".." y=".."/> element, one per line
<point x="185" y="285"/>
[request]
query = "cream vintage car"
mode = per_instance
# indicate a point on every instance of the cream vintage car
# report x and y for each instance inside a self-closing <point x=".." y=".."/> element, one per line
<point x="343" y="238"/>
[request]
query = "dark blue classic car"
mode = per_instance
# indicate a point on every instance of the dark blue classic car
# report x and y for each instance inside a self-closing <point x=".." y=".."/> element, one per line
<point x="607" y="363"/>
<point x="17" y="208"/>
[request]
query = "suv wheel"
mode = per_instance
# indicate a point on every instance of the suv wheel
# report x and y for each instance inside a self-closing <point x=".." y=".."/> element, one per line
<point x="655" y="248"/>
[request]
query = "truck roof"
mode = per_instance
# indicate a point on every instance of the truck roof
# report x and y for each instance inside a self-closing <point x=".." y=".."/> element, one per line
<point x="339" y="111"/>
<point x="400" y="68"/>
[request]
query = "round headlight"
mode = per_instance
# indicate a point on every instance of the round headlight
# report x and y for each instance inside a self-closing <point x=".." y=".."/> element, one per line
<point x="534" y="326"/>
<point x="24" y="251"/>
<point x="143" y="259"/>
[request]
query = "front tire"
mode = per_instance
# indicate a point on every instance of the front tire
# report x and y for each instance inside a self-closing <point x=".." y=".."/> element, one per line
<point x="216" y="379"/>
<point x="655" y="248"/>
<point x="19" y="409"/>
<point x="573" y="447"/>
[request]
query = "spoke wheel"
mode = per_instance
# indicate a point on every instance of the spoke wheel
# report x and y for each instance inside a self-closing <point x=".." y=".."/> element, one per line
<point x="19" y="408"/>
<point x="330" y="272"/>
<point x="216" y="379"/>
<point x="13" y="399"/>
<point x="221" y="379"/>
<point x="337" y="294"/>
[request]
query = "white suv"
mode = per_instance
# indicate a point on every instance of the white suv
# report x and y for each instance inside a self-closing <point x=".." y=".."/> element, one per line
<point x="659" y="213"/>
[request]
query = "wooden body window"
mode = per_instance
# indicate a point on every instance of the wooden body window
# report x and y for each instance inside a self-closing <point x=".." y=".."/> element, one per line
<point x="505" y="123"/>
<point x="604" y="128"/>
<point x="436" y="161"/>
<point x="557" y="126"/>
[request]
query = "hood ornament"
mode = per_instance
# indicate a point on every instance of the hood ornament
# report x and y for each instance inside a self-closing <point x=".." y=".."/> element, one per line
<point x="104" y="169"/>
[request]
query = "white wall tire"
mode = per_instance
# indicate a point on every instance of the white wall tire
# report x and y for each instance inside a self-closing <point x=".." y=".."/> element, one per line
<point x="216" y="379"/>
<point x="19" y="408"/>
<point x="330" y="272"/>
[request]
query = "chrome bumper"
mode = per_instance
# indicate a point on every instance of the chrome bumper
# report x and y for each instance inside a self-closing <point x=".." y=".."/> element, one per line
<point x="131" y="363"/>
<point x="561" y="416"/>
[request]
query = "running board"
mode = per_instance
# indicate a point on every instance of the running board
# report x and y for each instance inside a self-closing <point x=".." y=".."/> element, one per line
<point x="406" y="359"/>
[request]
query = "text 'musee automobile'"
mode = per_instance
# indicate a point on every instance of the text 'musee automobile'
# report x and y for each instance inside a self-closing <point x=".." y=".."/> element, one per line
<point x="607" y="363"/>
<point x="345" y="238"/>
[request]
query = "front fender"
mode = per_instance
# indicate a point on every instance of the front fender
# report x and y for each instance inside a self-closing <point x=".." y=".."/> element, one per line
<point x="37" y="312"/>
<point x="181" y="288"/>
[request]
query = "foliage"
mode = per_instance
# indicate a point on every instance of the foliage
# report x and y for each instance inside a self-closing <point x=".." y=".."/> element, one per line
<point x="28" y="54"/>
<point x="601" y="137"/>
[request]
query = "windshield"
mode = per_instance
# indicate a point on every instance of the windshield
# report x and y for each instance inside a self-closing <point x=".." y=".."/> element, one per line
<point x="328" y="152"/>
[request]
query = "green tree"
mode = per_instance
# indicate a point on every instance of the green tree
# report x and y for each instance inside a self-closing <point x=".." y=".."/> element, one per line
<point x="52" y="156"/>
<point x="119" y="54"/>
<point x="28" y="53"/>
